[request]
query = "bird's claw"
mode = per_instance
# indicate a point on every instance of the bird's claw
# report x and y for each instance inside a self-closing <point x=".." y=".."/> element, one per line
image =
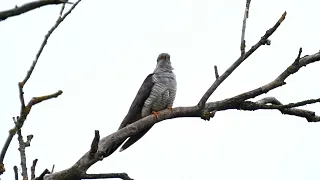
<point x="155" y="113"/>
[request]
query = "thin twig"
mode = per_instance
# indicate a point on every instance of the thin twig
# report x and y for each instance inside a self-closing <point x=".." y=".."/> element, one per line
<point x="233" y="102"/>
<point x="28" y="7"/>
<point x="26" y="110"/>
<point x="52" y="169"/>
<point x="29" y="138"/>
<point x="249" y="105"/>
<point x="44" y="42"/>
<point x="217" y="82"/>
<point x="20" y="121"/>
<point x="244" y="25"/>
<point x="284" y="109"/>
<point x="62" y="8"/>
<point x="36" y="100"/>
<point x="21" y="96"/>
<point x="299" y="55"/>
<point x="22" y="150"/>
<point x="46" y="171"/>
<point x="94" y="144"/>
<point x="279" y="81"/>
<point x="123" y="176"/>
<point x="216" y="72"/>
<point x="33" y="169"/>
<point x="15" y="169"/>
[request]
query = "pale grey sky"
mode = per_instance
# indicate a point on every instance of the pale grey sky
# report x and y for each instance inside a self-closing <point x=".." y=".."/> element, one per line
<point x="103" y="47"/>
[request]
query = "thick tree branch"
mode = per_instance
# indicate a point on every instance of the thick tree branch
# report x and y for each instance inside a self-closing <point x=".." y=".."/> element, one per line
<point x="28" y="7"/>
<point x="123" y="176"/>
<point x="226" y="74"/>
<point x="102" y="148"/>
<point x="115" y="139"/>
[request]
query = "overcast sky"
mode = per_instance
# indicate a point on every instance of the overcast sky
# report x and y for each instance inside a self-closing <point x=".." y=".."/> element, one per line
<point x="100" y="55"/>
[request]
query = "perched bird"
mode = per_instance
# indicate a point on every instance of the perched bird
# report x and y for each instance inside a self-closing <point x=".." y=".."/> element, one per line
<point x="156" y="93"/>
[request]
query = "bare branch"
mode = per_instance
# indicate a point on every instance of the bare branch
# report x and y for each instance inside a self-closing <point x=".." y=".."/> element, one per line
<point x="249" y="105"/>
<point x="216" y="72"/>
<point x="218" y="81"/>
<point x="21" y="96"/>
<point x="28" y="7"/>
<point x="273" y="100"/>
<point x="22" y="150"/>
<point x="279" y="81"/>
<point x="94" y="144"/>
<point x="26" y="110"/>
<point x="123" y="176"/>
<point x="52" y="169"/>
<point x="36" y="100"/>
<point x="284" y="109"/>
<point x="44" y="42"/>
<point x="41" y="177"/>
<point x="33" y="169"/>
<point x="267" y="100"/>
<point x="29" y="138"/>
<point x="15" y="169"/>
<point x="115" y="139"/>
<point x="62" y="9"/>
<point x="20" y="121"/>
<point x="299" y="55"/>
<point x="244" y="25"/>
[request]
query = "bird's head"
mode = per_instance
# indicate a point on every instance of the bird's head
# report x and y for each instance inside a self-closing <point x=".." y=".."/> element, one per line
<point x="163" y="56"/>
<point x="163" y="63"/>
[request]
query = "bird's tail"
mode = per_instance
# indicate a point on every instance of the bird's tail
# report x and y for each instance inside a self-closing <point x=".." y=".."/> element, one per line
<point x="134" y="139"/>
<point x="113" y="148"/>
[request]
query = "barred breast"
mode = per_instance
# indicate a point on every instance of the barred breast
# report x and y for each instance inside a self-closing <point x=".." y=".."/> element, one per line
<point x="162" y="94"/>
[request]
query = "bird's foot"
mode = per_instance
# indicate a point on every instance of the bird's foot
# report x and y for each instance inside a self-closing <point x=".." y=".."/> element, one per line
<point x="155" y="113"/>
<point x="170" y="108"/>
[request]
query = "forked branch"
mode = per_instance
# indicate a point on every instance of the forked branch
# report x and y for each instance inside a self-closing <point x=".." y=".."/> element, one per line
<point x="237" y="63"/>
<point x="25" y="109"/>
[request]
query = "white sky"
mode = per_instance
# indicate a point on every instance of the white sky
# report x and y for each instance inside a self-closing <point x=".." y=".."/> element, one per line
<point x="104" y="47"/>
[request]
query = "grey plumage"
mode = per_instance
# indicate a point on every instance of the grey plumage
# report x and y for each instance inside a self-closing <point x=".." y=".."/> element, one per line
<point x="156" y="93"/>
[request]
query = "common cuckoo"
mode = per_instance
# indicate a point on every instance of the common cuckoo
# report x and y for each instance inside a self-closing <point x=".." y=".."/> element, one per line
<point x="156" y="93"/>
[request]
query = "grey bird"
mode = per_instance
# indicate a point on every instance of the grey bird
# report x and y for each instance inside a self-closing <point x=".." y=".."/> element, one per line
<point x="156" y="93"/>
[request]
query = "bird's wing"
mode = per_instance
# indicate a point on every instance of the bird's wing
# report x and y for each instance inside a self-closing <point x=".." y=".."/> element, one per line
<point x="134" y="112"/>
